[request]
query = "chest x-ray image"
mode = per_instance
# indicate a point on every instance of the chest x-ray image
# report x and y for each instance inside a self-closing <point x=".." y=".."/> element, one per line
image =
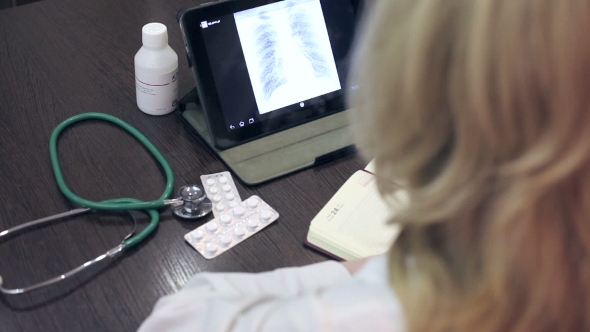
<point x="287" y="52"/>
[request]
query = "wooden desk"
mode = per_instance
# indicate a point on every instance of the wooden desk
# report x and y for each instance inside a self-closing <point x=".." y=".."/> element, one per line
<point x="59" y="58"/>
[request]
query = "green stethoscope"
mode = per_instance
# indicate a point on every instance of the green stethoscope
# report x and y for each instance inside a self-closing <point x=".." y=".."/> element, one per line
<point x="192" y="203"/>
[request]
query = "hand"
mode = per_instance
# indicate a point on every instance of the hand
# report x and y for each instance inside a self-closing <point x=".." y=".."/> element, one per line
<point x="355" y="265"/>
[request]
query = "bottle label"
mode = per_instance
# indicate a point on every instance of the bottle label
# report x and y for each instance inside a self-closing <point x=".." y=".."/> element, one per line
<point x="157" y="94"/>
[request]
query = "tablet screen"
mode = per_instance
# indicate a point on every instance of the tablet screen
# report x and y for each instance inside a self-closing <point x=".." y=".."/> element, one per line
<point x="288" y="53"/>
<point x="273" y="64"/>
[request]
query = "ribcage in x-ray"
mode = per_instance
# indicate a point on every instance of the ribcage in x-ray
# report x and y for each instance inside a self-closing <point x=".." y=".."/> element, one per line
<point x="269" y="58"/>
<point x="304" y="33"/>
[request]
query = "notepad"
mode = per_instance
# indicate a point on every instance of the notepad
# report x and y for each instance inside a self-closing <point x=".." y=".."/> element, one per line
<point x="353" y="224"/>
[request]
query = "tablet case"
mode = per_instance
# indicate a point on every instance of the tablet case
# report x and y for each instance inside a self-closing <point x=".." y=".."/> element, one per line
<point x="278" y="154"/>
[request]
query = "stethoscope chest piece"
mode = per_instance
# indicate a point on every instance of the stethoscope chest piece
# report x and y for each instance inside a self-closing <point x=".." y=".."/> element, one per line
<point x="195" y="204"/>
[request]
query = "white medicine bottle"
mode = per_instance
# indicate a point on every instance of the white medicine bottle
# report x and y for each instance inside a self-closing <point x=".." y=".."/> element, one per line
<point x="156" y="68"/>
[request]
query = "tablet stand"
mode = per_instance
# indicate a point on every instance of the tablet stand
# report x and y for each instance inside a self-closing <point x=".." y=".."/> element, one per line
<point x="278" y="154"/>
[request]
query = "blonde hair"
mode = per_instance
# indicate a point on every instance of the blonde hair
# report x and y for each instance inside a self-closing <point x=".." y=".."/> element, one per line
<point x="481" y="109"/>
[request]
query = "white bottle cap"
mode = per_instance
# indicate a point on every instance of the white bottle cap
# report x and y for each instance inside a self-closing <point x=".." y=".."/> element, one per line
<point x="154" y="35"/>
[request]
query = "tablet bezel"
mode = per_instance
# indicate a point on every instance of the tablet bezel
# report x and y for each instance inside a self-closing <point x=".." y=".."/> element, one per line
<point x="223" y="138"/>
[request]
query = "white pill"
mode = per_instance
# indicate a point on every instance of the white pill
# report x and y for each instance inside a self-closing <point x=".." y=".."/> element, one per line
<point x="233" y="204"/>
<point x="265" y="216"/>
<point x="197" y="235"/>
<point x="230" y="197"/>
<point x="239" y="211"/>
<point x="225" y="240"/>
<point x="226" y="188"/>
<point x="210" y="182"/>
<point x="216" y="198"/>
<point x="211" y="248"/>
<point x="252" y="224"/>
<point x="212" y="227"/>
<point x="252" y="202"/>
<point x="225" y="219"/>
<point x="222" y="180"/>
<point x="239" y="232"/>
<point x="219" y="207"/>
<point x="214" y="190"/>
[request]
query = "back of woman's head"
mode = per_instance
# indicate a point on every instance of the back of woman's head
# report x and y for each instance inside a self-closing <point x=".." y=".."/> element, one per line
<point x="481" y="109"/>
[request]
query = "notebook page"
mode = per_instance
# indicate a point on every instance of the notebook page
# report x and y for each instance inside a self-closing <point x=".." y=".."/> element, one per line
<point x="355" y="218"/>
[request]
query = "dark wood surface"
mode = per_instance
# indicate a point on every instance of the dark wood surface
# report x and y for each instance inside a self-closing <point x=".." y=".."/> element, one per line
<point x="59" y="58"/>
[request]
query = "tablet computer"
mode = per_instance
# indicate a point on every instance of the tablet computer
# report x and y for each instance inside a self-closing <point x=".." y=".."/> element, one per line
<point x="262" y="66"/>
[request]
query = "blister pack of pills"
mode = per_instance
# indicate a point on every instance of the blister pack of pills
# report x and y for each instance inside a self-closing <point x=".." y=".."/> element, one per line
<point x="222" y="191"/>
<point x="231" y="227"/>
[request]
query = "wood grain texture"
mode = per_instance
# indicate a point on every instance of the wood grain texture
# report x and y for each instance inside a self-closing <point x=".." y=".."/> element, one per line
<point x="59" y="58"/>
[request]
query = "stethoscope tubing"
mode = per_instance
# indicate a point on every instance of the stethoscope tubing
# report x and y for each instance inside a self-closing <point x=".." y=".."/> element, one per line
<point x="117" y="204"/>
<point x="110" y="205"/>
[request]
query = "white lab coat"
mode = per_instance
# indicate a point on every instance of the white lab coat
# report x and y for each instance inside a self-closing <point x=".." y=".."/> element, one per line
<point x="318" y="297"/>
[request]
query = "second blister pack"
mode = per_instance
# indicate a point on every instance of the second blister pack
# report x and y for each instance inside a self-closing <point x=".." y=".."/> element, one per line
<point x="231" y="227"/>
